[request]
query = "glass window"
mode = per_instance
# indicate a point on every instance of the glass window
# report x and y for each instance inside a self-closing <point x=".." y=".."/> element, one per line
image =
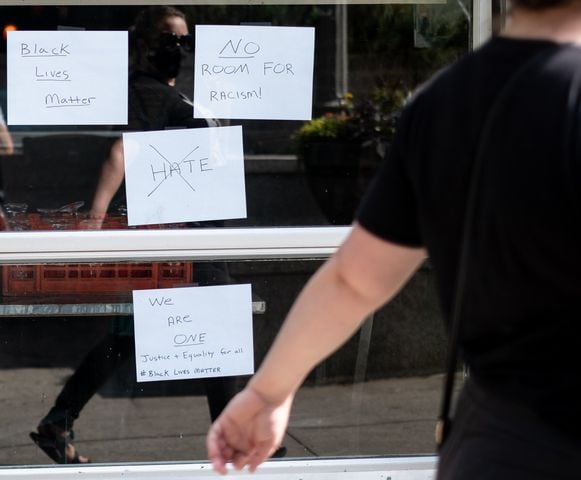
<point x="68" y="361"/>
<point x="368" y="58"/>
<point x="67" y="329"/>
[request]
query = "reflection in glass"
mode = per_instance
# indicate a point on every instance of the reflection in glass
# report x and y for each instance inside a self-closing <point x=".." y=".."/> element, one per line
<point x="377" y="395"/>
<point x="368" y="59"/>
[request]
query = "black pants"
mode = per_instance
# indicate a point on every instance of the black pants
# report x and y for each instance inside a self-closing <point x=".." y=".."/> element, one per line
<point x="102" y="362"/>
<point x="493" y="439"/>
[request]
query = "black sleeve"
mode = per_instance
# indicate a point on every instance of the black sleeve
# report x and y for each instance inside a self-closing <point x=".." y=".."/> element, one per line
<point x="181" y="113"/>
<point x="389" y="209"/>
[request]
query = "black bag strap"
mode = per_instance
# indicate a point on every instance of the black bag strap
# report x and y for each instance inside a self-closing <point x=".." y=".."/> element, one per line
<point x="444" y="422"/>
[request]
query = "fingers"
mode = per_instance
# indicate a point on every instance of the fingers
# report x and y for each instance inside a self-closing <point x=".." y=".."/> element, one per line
<point x="223" y="446"/>
<point x="240" y="460"/>
<point x="220" y="453"/>
<point x="254" y="458"/>
<point x="247" y="432"/>
<point x="218" y="450"/>
<point x="260" y="454"/>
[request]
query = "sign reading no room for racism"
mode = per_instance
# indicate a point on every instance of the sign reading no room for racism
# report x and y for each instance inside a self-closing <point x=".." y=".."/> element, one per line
<point x="67" y="78"/>
<point x="254" y="72"/>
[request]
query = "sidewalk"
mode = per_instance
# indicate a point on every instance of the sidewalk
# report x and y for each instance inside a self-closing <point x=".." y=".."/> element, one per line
<point x="384" y="417"/>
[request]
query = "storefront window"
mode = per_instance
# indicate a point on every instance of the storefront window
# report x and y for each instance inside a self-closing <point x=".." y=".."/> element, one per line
<point x="367" y="61"/>
<point x="89" y="223"/>
<point x="68" y="353"/>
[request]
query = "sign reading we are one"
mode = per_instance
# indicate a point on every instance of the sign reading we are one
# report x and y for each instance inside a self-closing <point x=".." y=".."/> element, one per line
<point x="67" y="78"/>
<point x="193" y="332"/>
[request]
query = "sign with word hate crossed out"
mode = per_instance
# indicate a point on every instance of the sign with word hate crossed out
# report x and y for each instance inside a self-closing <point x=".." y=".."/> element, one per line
<point x="193" y="332"/>
<point x="254" y="72"/>
<point x="67" y="78"/>
<point x="184" y="175"/>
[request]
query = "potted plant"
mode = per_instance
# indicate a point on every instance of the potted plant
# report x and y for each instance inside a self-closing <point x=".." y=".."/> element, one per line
<point x="341" y="149"/>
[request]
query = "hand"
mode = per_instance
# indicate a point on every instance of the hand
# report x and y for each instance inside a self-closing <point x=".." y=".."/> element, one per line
<point x="94" y="221"/>
<point x="248" y="431"/>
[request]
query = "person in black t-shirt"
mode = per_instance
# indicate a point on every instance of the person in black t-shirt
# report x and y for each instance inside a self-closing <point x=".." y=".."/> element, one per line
<point x="156" y="41"/>
<point x="519" y="414"/>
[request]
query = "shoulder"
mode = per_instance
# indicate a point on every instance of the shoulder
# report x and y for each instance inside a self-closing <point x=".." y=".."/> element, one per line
<point x="474" y="79"/>
<point x="448" y="80"/>
<point x="447" y="85"/>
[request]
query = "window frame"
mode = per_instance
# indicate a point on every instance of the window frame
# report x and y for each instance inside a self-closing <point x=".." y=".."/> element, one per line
<point x="374" y="468"/>
<point x="12" y="3"/>
<point x="187" y="244"/>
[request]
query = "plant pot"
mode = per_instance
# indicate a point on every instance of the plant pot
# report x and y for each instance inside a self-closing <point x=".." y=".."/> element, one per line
<point x="332" y="170"/>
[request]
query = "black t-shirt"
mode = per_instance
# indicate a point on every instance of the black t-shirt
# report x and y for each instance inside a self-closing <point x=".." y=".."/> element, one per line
<point x="155" y="105"/>
<point x="521" y="323"/>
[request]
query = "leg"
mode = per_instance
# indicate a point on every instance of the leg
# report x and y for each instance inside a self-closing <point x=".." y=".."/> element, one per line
<point x="97" y="366"/>
<point x="54" y="433"/>
<point x="219" y="391"/>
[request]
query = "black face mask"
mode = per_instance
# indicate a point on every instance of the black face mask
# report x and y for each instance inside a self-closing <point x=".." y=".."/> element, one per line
<point x="167" y="58"/>
<point x="167" y="62"/>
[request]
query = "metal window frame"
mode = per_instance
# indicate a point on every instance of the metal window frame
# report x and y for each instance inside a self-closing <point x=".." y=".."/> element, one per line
<point x="14" y="3"/>
<point x="481" y="22"/>
<point x="152" y="245"/>
<point x="375" y="468"/>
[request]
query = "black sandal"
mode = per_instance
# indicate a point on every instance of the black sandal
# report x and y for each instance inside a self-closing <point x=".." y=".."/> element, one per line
<point x="279" y="452"/>
<point x="54" y="442"/>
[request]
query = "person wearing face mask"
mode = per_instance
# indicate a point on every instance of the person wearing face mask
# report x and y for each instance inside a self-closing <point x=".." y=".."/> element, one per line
<point x="157" y="40"/>
<point x="157" y="43"/>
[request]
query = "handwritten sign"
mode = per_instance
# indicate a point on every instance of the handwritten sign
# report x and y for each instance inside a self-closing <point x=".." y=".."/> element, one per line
<point x="251" y="72"/>
<point x="184" y="175"/>
<point x="67" y="78"/>
<point x="194" y="332"/>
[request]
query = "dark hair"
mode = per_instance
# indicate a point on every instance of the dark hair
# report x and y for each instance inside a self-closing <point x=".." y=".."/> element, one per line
<point x="539" y="4"/>
<point x="145" y="34"/>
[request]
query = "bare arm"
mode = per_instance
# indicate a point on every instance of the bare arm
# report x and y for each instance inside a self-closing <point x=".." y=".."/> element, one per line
<point x="362" y="276"/>
<point x="110" y="180"/>
<point x="6" y="143"/>
<point x="365" y="273"/>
